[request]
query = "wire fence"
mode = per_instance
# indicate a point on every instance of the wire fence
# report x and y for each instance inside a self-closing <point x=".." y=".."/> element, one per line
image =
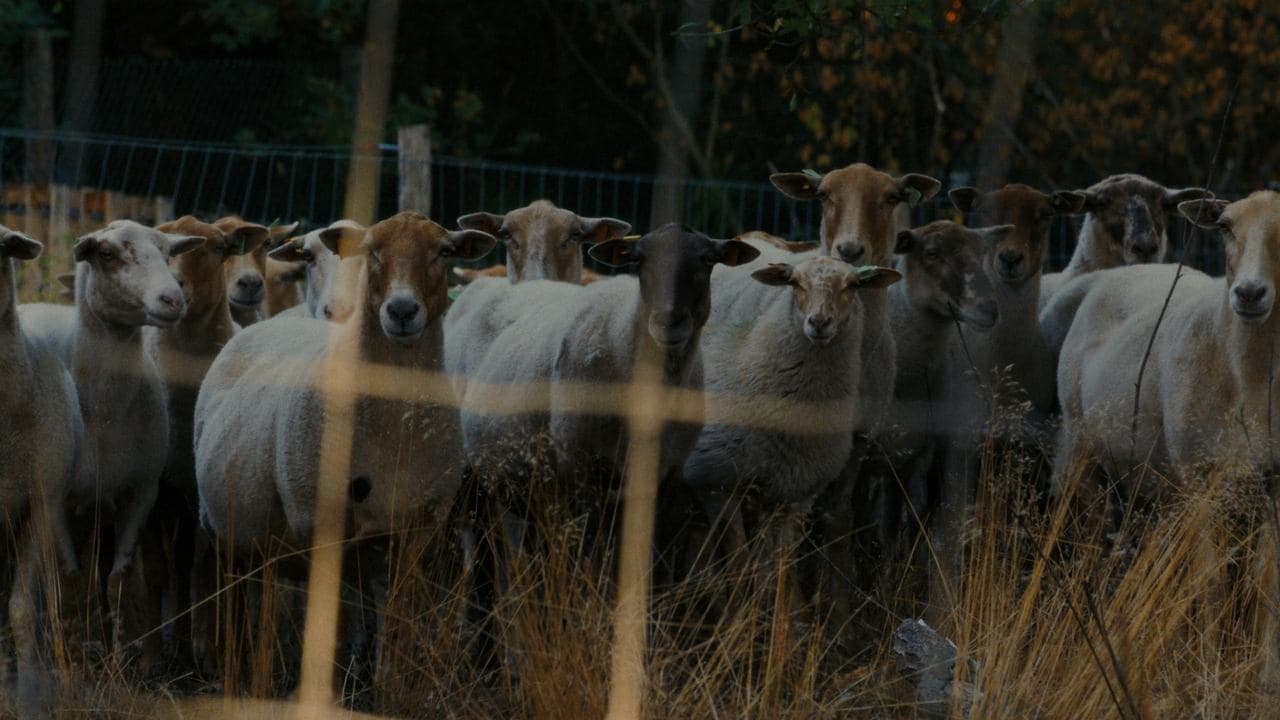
<point x="286" y="182"/>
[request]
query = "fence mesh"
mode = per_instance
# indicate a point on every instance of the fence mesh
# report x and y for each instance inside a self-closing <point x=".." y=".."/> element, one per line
<point x="288" y="182"/>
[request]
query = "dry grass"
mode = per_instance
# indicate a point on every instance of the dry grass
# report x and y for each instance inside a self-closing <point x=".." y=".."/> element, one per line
<point x="1053" y="619"/>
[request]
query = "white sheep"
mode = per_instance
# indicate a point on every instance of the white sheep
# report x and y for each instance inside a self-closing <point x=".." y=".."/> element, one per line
<point x="318" y="252"/>
<point x="123" y="283"/>
<point x="1207" y="396"/>
<point x="782" y="368"/>
<point x="1124" y="226"/>
<point x="42" y="433"/>
<point x="536" y="378"/>
<point x="259" y="421"/>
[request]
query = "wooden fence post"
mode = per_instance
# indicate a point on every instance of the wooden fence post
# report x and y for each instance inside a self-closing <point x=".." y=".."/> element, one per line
<point x="415" y="169"/>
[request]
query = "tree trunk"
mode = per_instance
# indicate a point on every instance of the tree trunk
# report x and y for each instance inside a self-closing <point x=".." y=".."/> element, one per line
<point x="80" y="92"/>
<point x="371" y="111"/>
<point x="681" y="113"/>
<point x="1015" y="65"/>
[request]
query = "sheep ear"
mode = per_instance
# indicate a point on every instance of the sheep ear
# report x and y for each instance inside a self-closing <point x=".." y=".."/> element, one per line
<point x="905" y="242"/>
<point x="1067" y="202"/>
<point x="1203" y="213"/>
<point x="797" y="185"/>
<point x="872" y="277"/>
<point x="179" y="244"/>
<point x="616" y="253"/>
<point x="1093" y="201"/>
<point x="280" y="233"/>
<point x="18" y="246"/>
<point x="1173" y="198"/>
<point x="996" y="233"/>
<point x="597" y="230"/>
<point x="343" y="241"/>
<point x="482" y="221"/>
<point x="914" y="188"/>
<point x="289" y="250"/>
<point x="735" y="252"/>
<point x="246" y="239"/>
<point x="85" y="247"/>
<point x="774" y="274"/>
<point x="467" y="245"/>
<point x="965" y="199"/>
<point x="67" y="280"/>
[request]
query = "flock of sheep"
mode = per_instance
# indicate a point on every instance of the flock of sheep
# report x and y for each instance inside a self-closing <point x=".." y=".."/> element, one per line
<point x="166" y="406"/>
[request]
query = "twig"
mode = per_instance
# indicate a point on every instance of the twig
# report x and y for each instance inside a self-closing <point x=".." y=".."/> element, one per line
<point x="1182" y="259"/>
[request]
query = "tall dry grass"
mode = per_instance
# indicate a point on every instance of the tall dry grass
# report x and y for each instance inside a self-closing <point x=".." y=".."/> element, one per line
<point x="1056" y="615"/>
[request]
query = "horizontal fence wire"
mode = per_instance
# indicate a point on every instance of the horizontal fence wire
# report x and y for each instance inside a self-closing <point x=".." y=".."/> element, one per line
<point x="267" y="183"/>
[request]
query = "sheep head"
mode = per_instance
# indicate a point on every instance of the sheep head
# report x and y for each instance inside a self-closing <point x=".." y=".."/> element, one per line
<point x="125" y="276"/>
<point x="17" y="246"/>
<point x="823" y="291"/>
<point x="1020" y="255"/>
<point x="406" y="273"/>
<point x="674" y="265"/>
<point x="1250" y="230"/>
<point x="1129" y="209"/>
<point x="200" y="270"/>
<point x="544" y="242"/>
<point x="942" y="264"/>
<point x="858" y="203"/>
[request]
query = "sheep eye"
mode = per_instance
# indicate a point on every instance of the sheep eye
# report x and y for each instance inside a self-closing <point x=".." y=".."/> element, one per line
<point x="931" y="254"/>
<point x="308" y="256"/>
<point x="106" y="254"/>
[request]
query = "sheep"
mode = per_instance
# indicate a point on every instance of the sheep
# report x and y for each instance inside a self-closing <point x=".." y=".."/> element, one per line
<point x="543" y="242"/>
<point x="1013" y="351"/>
<point x="123" y="283"/>
<point x="776" y="357"/>
<point x="257" y="429"/>
<point x="465" y="276"/>
<point x="860" y="216"/>
<point x="183" y="354"/>
<point x="317" y="251"/>
<point x="569" y="337"/>
<point x="944" y="285"/>
<point x="1207" y="394"/>
<point x="246" y="283"/>
<point x="39" y="446"/>
<point x="1124" y="226"/>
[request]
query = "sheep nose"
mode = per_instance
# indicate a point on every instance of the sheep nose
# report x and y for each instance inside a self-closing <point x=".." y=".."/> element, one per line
<point x="820" y="323"/>
<point x="850" y="252"/>
<point x="1249" y="293"/>
<point x="402" y="309"/>
<point x="1010" y="258"/>
<point x="170" y="301"/>
<point x="249" y="283"/>
<point x="1145" y="252"/>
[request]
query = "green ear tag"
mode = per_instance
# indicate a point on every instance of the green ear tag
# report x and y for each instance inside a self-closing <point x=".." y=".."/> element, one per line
<point x="812" y="173"/>
<point x="454" y="292"/>
<point x="866" y="272"/>
<point x="913" y="196"/>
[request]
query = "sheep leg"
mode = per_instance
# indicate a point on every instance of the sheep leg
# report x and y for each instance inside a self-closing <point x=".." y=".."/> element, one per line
<point x="947" y="542"/>
<point x="129" y="523"/>
<point x="204" y="631"/>
<point x="726" y="536"/>
<point x="35" y="686"/>
<point x="837" y="526"/>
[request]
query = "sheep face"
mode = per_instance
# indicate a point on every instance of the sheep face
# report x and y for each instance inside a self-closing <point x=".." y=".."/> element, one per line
<point x="1130" y="211"/>
<point x="246" y="273"/>
<point x="823" y="292"/>
<point x="336" y="274"/>
<point x="942" y="263"/>
<point x="674" y="267"/>
<point x="405" y="272"/>
<point x="543" y="241"/>
<point x="1020" y="255"/>
<point x="126" y="276"/>
<point x="1250" y="229"/>
<point x="858" y="203"/>
<point x="284" y="284"/>
<point x="13" y="246"/>
<point x="200" y="270"/>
